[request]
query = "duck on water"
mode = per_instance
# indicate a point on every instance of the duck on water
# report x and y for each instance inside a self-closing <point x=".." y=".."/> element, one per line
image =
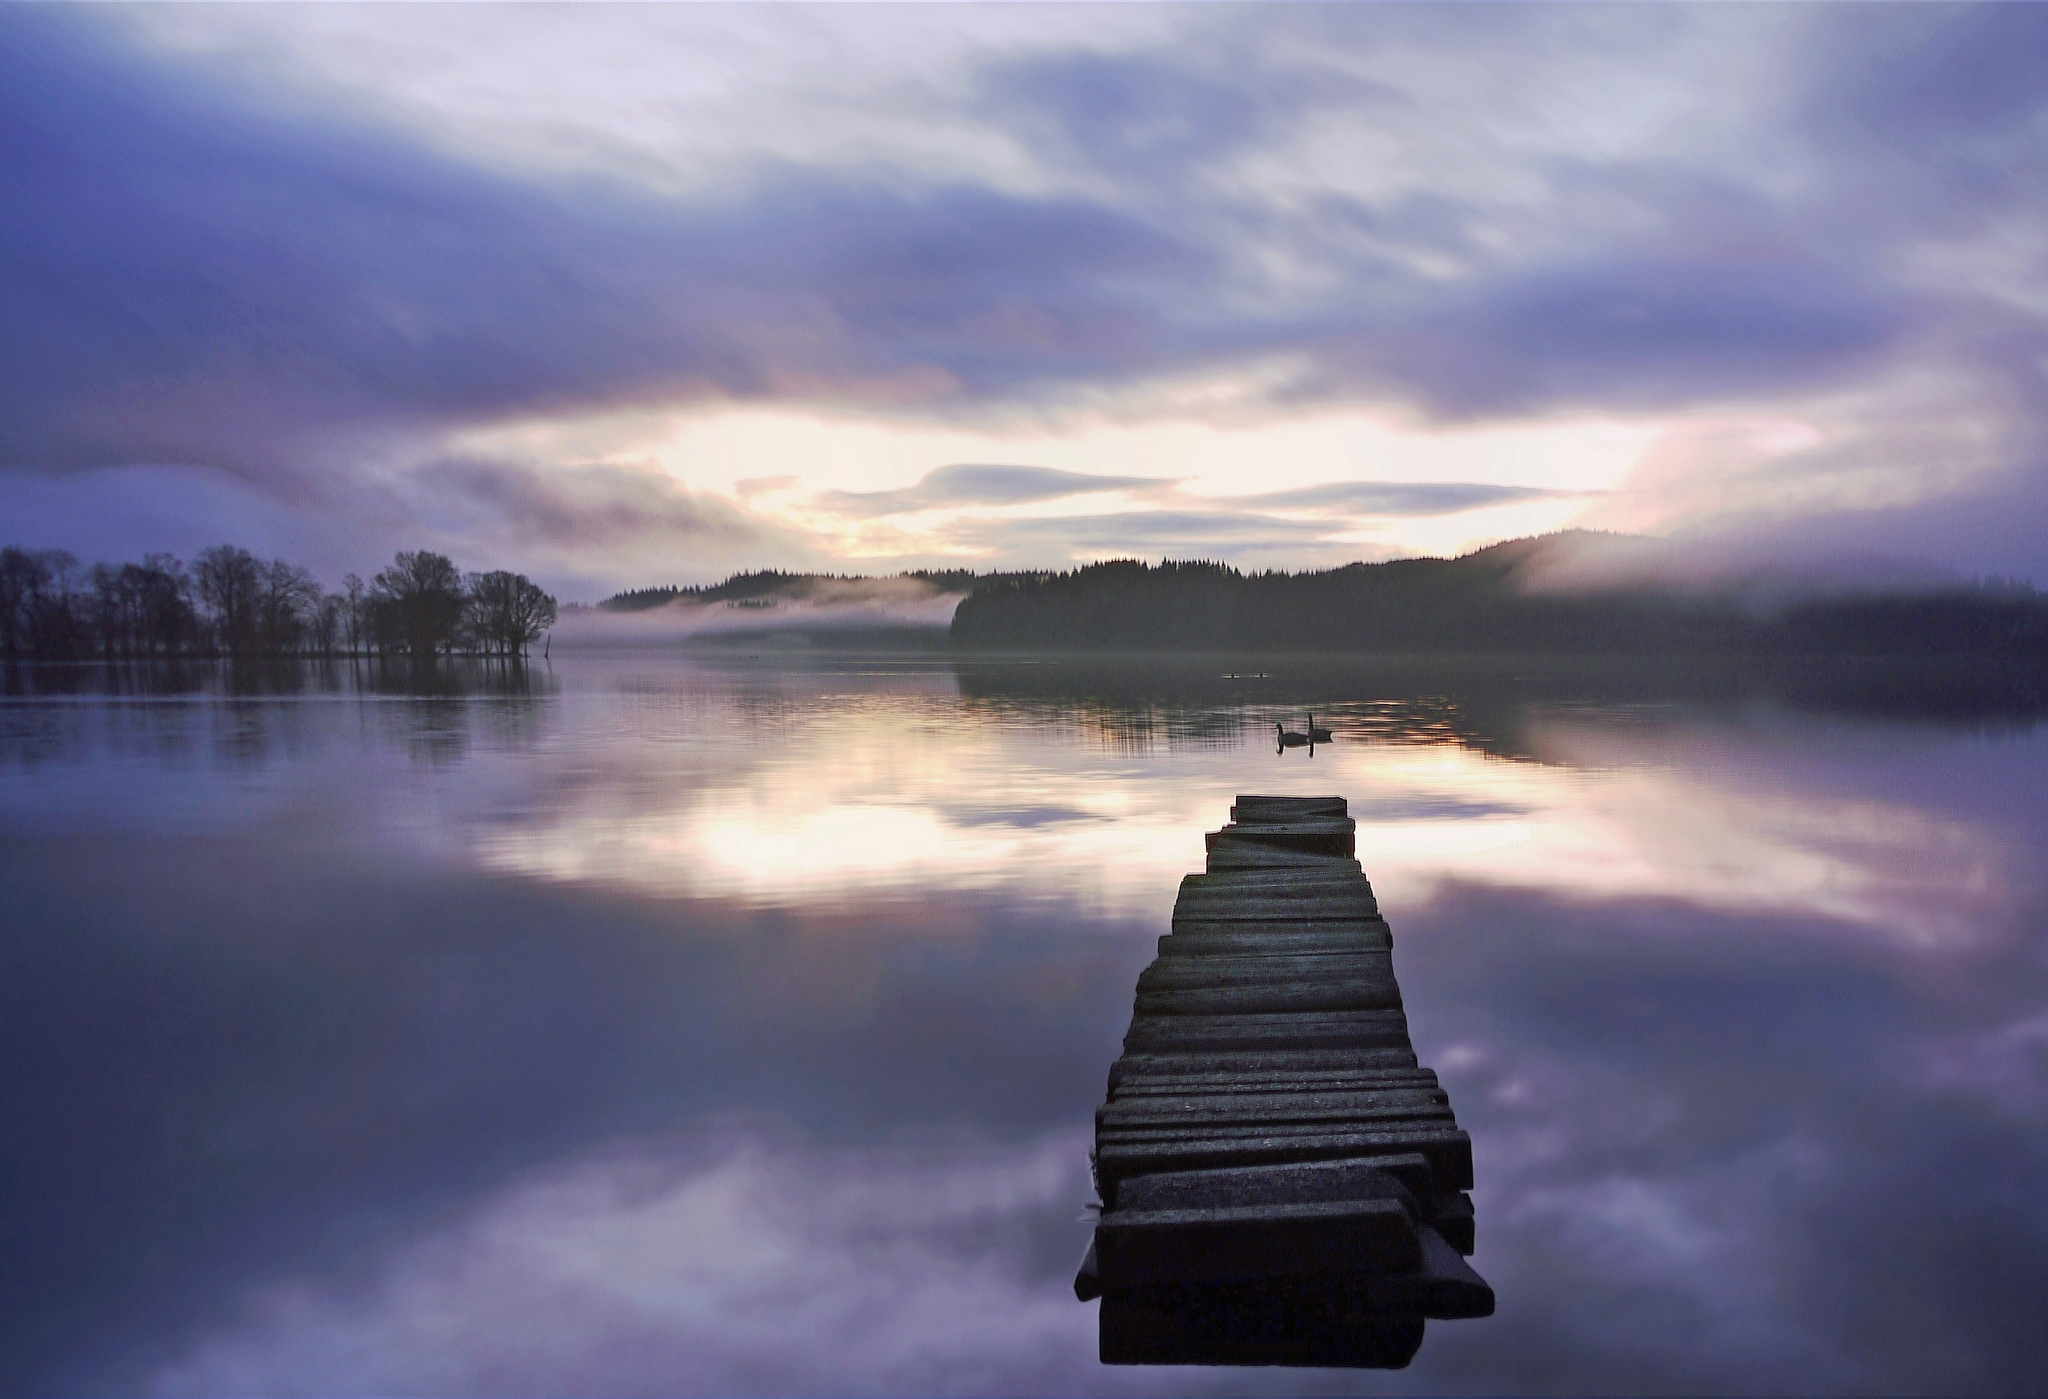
<point x="1289" y="739"/>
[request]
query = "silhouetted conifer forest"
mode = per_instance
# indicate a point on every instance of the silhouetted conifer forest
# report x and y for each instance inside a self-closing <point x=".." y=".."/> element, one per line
<point x="1478" y="604"/>
<point x="230" y="603"/>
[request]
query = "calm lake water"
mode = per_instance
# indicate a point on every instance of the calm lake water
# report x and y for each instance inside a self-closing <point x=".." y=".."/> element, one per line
<point x="665" y="1023"/>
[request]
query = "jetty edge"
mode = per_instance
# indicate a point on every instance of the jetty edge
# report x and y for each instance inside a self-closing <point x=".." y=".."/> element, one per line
<point x="1282" y="1182"/>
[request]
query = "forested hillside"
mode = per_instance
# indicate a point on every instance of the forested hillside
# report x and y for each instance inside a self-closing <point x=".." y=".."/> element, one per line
<point x="1478" y="603"/>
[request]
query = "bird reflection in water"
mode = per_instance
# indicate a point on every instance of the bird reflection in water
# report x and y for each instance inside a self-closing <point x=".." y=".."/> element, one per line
<point x="1282" y="1182"/>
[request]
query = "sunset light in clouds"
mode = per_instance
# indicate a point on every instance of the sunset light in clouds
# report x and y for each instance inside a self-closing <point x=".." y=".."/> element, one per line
<point x="623" y="295"/>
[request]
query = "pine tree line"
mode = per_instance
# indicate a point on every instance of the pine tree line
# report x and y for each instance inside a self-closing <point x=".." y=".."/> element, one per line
<point x="1476" y="604"/>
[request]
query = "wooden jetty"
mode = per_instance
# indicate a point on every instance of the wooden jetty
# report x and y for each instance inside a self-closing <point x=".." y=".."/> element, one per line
<point x="1282" y="1183"/>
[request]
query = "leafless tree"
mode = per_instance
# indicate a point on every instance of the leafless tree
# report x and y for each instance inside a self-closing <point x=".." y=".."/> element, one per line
<point x="325" y="622"/>
<point x="508" y="611"/>
<point x="354" y="622"/>
<point x="229" y="581"/>
<point x="18" y="570"/>
<point x="53" y="611"/>
<point x="286" y="597"/>
<point x="112" y="610"/>
<point x="421" y="602"/>
<point x="168" y="621"/>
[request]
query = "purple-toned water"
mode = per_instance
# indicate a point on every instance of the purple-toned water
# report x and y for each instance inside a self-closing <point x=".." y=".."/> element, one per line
<point x="681" y="1024"/>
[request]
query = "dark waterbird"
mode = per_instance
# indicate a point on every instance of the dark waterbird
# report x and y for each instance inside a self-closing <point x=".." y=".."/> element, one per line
<point x="1316" y="735"/>
<point x="1289" y="739"/>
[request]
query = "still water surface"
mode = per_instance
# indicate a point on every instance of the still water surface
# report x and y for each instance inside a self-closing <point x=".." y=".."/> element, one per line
<point x="656" y="1023"/>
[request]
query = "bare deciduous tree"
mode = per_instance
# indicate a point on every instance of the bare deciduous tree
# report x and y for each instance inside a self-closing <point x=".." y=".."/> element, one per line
<point x="51" y="609"/>
<point x="286" y="599"/>
<point x="508" y="611"/>
<point x="354" y="622"/>
<point x="421" y="594"/>
<point x="228" y="580"/>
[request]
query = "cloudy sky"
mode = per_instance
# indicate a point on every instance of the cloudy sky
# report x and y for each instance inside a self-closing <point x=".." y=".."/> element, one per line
<point x="640" y="294"/>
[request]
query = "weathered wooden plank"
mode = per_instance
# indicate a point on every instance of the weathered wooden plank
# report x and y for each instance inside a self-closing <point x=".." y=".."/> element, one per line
<point x="1239" y="880"/>
<point x="1276" y="835"/>
<point x="1443" y="1288"/>
<point x="1157" y="1113"/>
<point x="1297" y="893"/>
<point x="1267" y="911"/>
<point x="1155" y="1326"/>
<point x="1451" y="1215"/>
<point x="1244" y="1242"/>
<point x="1276" y="910"/>
<point x="1282" y="1104"/>
<point x="1251" y="1131"/>
<point x="1403" y="1134"/>
<point x="1319" y="957"/>
<point x="1128" y="1122"/>
<point x="1331" y="836"/>
<point x="1250" y="969"/>
<point x="1277" y="907"/>
<point x="1331" y="839"/>
<point x="1273" y="884"/>
<point x="1293" y="943"/>
<point x="1334" y="993"/>
<point x="1245" y="855"/>
<point x="1276" y="855"/>
<point x="1407" y="1178"/>
<point x="1294" y="922"/>
<point x="1243" y="1061"/>
<point x="1448" y="1149"/>
<point x="1283" y="826"/>
<point x="1186" y="1034"/>
<point x="1173" y="1089"/>
<point x="1273" y="1081"/>
<point x="1253" y="805"/>
<point x="1303" y="1321"/>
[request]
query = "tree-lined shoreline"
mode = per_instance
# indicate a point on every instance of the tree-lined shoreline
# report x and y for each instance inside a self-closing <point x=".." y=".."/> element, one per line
<point x="229" y="604"/>
<point x="1482" y="603"/>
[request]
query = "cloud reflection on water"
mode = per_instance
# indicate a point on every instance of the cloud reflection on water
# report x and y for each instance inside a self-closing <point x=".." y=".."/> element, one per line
<point x="360" y="1059"/>
<point x="845" y="793"/>
<point x="780" y="1268"/>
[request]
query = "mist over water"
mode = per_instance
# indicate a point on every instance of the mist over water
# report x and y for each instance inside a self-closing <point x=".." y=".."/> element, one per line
<point x="849" y="610"/>
<point x="679" y="1023"/>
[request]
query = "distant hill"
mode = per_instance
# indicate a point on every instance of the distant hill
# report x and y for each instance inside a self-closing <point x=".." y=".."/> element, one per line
<point x="1572" y="593"/>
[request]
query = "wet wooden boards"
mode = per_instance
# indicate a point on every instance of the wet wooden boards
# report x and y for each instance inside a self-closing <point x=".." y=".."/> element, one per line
<point x="1282" y="1182"/>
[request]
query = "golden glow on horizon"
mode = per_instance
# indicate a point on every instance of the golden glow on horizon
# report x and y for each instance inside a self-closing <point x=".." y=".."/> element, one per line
<point x="717" y="448"/>
<point x="780" y="465"/>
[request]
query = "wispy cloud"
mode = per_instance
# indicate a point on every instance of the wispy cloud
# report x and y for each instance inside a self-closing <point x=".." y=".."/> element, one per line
<point x="1398" y="497"/>
<point x="987" y="512"/>
<point x="591" y="507"/>
<point x="1827" y="214"/>
<point x="954" y="486"/>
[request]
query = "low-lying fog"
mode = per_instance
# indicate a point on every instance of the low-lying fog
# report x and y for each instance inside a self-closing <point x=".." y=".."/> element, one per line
<point x="833" y="604"/>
